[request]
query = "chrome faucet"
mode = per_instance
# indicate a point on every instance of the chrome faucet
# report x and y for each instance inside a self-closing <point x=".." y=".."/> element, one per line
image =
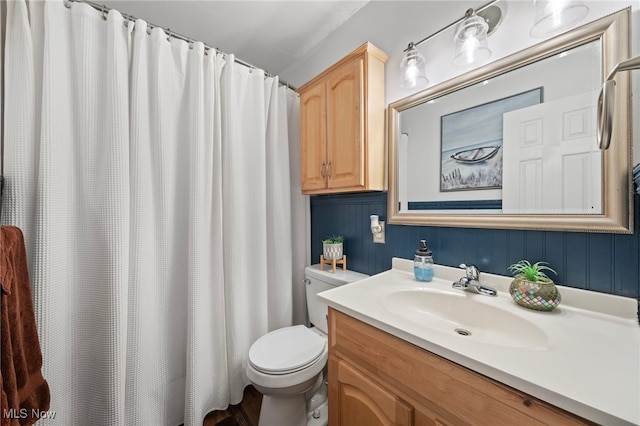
<point x="470" y="282"/>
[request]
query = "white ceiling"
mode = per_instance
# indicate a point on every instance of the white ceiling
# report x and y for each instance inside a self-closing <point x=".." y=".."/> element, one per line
<point x="271" y="35"/>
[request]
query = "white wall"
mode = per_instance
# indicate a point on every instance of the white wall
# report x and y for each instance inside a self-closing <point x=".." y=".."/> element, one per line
<point x="391" y="25"/>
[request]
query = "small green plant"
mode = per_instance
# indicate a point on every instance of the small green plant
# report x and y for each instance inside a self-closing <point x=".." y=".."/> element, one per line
<point x="531" y="272"/>
<point x="334" y="239"/>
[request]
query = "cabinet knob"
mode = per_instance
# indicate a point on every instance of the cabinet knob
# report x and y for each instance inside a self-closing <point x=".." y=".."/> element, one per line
<point x="322" y="170"/>
<point x="329" y="170"/>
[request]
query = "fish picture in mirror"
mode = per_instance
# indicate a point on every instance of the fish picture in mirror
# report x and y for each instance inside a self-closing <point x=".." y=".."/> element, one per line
<point x="471" y="143"/>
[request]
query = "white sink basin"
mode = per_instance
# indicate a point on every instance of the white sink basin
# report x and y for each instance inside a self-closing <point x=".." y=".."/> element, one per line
<point x="464" y="315"/>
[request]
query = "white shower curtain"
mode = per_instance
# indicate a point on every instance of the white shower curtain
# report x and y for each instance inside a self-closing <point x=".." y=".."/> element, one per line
<point x="151" y="182"/>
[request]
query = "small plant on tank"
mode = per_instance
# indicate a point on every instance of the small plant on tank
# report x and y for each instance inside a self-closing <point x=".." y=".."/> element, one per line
<point x="334" y="239"/>
<point x="332" y="247"/>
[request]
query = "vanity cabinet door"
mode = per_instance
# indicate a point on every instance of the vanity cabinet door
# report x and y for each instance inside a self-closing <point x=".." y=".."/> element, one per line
<point x="362" y="401"/>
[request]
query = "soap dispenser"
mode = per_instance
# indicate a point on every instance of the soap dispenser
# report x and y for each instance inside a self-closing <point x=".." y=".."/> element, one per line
<point x="423" y="263"/>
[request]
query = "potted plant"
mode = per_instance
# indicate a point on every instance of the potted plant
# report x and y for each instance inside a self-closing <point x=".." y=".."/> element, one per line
<point x="532" y="288"/>
<point x="332" y="247"/>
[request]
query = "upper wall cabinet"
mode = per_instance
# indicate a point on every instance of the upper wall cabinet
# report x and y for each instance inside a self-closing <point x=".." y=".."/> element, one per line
<point x="342" y="125"/>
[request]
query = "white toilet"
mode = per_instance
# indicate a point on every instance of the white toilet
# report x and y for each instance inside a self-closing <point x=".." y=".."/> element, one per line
<point x="286" y="365"/>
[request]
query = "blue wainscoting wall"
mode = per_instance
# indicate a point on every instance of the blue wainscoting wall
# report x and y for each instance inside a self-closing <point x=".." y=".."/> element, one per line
<point x="608" y="263"/>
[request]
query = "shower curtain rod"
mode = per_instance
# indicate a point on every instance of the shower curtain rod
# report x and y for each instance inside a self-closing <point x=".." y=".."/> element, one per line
<point x="104" y="9"/>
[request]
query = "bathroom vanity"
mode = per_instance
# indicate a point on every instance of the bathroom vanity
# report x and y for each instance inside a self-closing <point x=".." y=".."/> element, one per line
<point x="404" y="352"/>
<point x="376" y="378"/>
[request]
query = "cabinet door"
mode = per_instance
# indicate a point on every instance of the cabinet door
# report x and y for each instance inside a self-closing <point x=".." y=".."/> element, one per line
<point x="345" y="126"/>
<point x="361" y="401"/>
<point x="313" y="143"/>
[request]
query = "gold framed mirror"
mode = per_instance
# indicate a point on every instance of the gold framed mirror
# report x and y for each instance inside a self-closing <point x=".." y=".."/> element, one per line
<point x="438" y="178"/>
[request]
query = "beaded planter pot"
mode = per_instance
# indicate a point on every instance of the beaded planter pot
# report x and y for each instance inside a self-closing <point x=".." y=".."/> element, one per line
<point x="541" y="295"/>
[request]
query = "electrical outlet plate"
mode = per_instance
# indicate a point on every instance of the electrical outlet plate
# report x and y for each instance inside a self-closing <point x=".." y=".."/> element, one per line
<point x="379" y="237"/>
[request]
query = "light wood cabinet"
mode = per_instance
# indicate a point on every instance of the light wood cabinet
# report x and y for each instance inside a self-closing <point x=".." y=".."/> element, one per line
<point x="363" y="401"/>
<point x="378" y="379"/>
<point x="342" y="125"/>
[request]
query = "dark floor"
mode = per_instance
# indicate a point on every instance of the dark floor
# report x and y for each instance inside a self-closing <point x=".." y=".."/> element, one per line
<point x="244" y="414"/>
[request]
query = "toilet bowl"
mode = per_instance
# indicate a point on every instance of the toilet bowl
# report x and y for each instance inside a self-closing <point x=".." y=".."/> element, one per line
<point x="287" y="365"/>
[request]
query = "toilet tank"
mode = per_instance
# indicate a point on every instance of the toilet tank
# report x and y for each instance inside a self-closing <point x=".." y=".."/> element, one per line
<point x="317" y="281"/>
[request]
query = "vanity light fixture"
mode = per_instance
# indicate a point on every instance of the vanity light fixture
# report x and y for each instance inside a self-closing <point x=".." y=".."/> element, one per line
<point x="377" y="229"/>
<point x="554" y="16"/>
<point x="414" y="74"/>
<point x="471" y="41"/>
<point x="471" y="44"/>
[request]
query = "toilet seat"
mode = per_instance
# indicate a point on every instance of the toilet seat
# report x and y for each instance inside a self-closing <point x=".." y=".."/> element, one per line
<point x="287" y="350"/>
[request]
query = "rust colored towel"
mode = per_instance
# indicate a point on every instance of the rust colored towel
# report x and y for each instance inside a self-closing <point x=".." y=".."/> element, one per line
<point x="25" y="393"/>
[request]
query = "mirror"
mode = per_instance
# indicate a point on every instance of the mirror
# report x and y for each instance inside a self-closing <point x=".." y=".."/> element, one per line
<point x="513" y="144"/>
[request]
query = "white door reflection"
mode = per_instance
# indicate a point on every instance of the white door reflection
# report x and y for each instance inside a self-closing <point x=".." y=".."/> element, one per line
<point x="553" y="164"/>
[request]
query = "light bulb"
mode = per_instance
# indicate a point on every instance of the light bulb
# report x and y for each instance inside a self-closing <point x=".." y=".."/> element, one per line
<point x="469" y="48"/>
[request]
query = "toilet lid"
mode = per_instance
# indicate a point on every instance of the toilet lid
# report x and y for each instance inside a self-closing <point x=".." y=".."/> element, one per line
<point x="286" y="350"/>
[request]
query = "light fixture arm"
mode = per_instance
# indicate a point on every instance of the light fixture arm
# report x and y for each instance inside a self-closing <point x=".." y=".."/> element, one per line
<point x="606" y="101"/>
<point x="468" y="13"/>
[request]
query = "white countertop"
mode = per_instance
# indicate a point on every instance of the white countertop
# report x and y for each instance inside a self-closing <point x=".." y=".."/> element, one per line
<point x="589" y="364"/>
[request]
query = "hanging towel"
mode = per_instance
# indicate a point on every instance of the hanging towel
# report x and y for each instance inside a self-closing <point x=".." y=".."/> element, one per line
<point x="25" y="393"/>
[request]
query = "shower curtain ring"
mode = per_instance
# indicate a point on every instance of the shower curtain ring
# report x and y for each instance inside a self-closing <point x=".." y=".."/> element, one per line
<point x="104" y="12"/>
<point x="67" y="4"/>
<point x="170" y="34"/>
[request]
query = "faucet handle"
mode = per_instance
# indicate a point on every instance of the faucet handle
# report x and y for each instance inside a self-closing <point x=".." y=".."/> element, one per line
<point x="472" y="271"/>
